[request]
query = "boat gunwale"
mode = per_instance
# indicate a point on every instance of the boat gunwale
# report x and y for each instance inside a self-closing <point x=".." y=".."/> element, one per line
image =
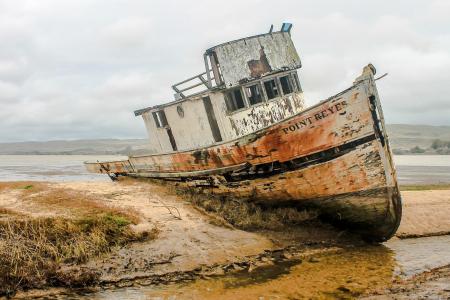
<point x="102" y="162"/>
<point x="255" y="132"/>
<point x="214" y="171"/>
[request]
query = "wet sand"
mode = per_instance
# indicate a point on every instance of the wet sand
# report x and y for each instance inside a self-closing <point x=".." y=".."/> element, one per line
<point x="186" y="239"/>
<point x="192" y="246"/>
<point x="425" y="213"/>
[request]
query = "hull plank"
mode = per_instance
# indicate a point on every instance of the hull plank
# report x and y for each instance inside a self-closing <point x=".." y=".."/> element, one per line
<point x="350" y="188"/>
<point x="358" y="170"/>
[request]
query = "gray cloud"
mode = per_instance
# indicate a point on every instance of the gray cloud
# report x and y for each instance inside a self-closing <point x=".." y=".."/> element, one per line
<point x="78" y="69"/>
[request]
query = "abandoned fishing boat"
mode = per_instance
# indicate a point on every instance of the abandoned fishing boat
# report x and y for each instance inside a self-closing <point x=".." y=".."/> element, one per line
<point x="241" y="129"/>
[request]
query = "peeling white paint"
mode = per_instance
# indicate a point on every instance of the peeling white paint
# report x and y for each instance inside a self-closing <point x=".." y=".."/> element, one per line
<point x="234" y="57"/>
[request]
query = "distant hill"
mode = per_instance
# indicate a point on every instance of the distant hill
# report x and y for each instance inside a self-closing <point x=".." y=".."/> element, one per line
<point x="102" y="146"/>
<point x="403" y="138"/>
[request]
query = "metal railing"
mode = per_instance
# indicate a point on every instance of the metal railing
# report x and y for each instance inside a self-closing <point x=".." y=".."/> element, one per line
<point x="199" y="81"/>
<point x="212" y="80"/>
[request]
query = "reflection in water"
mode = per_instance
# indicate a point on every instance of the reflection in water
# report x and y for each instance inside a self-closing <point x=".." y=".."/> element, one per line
<point x="414" y="256"/>
<point x="343" y="274"/>
<point x="346" y="273"/>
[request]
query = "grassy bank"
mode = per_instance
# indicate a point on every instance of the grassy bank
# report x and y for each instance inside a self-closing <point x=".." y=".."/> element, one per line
<point x="38" y="251"/>
<point x="425" y="187"/>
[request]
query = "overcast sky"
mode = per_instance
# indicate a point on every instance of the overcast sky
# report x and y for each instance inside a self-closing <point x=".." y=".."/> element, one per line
<point x="78" y="69"/>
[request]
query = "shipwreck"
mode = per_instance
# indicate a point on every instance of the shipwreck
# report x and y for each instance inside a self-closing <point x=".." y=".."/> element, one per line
<point x="241" y="129"/>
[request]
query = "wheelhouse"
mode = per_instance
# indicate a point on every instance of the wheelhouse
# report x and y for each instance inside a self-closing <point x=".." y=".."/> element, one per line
<point x="248" y="84"/>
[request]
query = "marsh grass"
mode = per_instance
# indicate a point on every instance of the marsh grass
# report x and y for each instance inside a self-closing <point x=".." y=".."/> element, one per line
<point x="240" y="213"/>
<point x="425" y="187"/>
<point x="27" y="187"/>
<point x="80" y="204"/>
<point x="7" y="211"/>
<point x="251" y="216"/>
<point x="33" y="250"/>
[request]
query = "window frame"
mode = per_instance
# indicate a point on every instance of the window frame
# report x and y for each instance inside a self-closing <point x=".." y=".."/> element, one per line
<point x="261" y="92"/>
<point x="291" y="75"/>
<point x="160" y="120"/>
<point x="277" y="84"/>
<point x="297" y="81"/>
<point x="227" y="100"/>
<point x="292" y="84"/>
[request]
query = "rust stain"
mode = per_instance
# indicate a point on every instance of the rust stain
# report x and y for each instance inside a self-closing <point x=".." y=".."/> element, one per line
<point x="259" y="67"/>
<point x="327" y="125"/>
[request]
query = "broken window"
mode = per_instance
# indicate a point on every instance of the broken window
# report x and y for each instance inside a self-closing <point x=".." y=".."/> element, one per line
<point x="234" y="100"/>
<point x="286" y="84"/>
<point x="254" y="94"/>
<point x="160" y="118"/>
<point x="271" y="88"/>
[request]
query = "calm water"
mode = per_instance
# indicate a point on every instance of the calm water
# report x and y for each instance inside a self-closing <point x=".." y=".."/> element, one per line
<point x="355" y="270"/>
<point x="411" y="168"/>
<point x="423" y="169"/>
<point x="49" y="167"/>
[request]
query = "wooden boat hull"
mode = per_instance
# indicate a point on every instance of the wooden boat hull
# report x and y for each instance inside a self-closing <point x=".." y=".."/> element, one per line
<point x="334" y="156"/>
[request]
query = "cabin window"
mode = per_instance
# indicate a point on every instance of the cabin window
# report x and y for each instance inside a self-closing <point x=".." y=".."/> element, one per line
<point x="254" y="94"/>
<point x="160" y="118"/>
<point x="234" y="100"/>
<point x="271" y="88"/>
<point x="286" y="84"/>
<point x="297" y="82"/>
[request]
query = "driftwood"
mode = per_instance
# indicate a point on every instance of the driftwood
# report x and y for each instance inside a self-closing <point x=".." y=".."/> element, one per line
<point x="170" y="208"/>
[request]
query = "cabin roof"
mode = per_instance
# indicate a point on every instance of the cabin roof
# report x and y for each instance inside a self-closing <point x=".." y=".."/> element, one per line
<point x="210" y="50"/>
<point x="170" y="103"/>
<point x="286" y="27"/>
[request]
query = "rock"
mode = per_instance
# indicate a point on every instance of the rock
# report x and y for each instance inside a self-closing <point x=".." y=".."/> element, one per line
<point x="314" y="260"/>
<point x="76" y="277"/>
<point x="214" y="272"/>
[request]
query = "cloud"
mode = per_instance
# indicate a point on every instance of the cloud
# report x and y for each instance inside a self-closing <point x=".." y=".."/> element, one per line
<point x="78" y="69"/>
<point x="128" y="32"/>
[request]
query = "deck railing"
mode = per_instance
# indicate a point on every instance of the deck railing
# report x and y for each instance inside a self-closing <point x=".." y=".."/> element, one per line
<point x="193" y="82"/>
<point x="213" y="78"/>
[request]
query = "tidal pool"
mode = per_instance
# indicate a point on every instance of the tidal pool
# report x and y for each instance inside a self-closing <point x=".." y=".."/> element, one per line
<point x="347" y="273"/>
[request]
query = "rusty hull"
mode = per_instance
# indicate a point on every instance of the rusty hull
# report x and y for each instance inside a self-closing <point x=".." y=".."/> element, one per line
<point x="334" y="156"/>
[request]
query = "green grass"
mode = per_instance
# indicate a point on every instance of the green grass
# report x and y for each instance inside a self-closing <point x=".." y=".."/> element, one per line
<point x="425" y="187"/>
<point x="32" y="250"/>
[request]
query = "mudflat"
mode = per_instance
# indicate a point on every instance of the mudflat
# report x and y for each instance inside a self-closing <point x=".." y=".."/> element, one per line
<point x="425" y="213"/>
<point x="193" y="243"/>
